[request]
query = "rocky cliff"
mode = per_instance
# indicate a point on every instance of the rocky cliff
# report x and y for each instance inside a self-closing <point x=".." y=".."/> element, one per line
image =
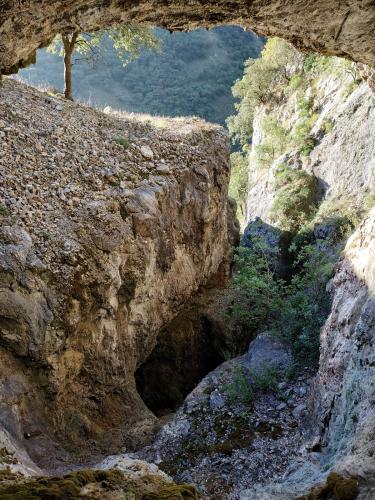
<point x="109" y="226"/>
<point x="335" y="117"/>
<point x="331" y="27"/>
<point x="343" y="400"/>
<point x="341" y="151"/>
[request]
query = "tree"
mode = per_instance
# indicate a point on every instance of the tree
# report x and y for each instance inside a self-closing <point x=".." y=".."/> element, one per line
<point x="128" y="40"/>
<point x="257" y="86"/>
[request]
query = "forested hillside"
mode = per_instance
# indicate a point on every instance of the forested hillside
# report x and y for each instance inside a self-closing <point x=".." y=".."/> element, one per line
<point x="192" y="75"/>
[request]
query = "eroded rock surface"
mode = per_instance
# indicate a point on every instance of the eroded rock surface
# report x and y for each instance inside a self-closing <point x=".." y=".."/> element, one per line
<point x="342" y="158"/>
<point x="343" y="401"/>
<point x="330" y="27"/>
<point x="101" y="246"/>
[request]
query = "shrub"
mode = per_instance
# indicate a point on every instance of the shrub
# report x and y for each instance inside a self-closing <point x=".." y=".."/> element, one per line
<point x="239" y="181"/>
<point x="294" y="202"/>
<point x="267" y="378"/>
<point x="294" y="309"/>
<point x="239" y="389"/>
<point x="4" y="210"/>
<point x="306" y="302"/>
<point x="254" y="297"/>
<point x="301" y="133"/>
<point x="123" y="141"/>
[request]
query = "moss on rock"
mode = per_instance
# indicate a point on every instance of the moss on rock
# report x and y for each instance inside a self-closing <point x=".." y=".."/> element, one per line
<point x="336" y="487"/>
<point x="92" y="484"/>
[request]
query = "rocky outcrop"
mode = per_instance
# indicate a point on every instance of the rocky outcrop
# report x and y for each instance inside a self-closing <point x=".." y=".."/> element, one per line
<point x="109" y="226"/>
<point x="342" y="159"/>
<point x="330" y="27"/>
<point x="339" y="421"/>
<point x="343" y="400"/>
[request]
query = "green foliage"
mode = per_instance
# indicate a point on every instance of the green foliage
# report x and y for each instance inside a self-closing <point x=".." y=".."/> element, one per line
<point x="239" y="181"/>
<point x="339" y="215"/>
<point x="316" y="65"/>
<point x="275" y="142"/>
<point x="129" y="41"/>
<point x="278" y="74"/>
<point x="46" y="235"/>
<point x="306" y="304"/>
<point x="4" y="210"/>
<point x="255" y="86"/>
<point x="349" y="89"/>
<point x="267" y="378"/>
<point x="296" y="308"/>
<point x="191" y="76"/>
<point x="294" y="202"/>
<point x="239" y="388"/>
<point x="254" y="298"/>
<point x="328" y="126"/>
<point x="297" y="82"/>
<point x="301" y="137"/>
<point x="123" y="141"/>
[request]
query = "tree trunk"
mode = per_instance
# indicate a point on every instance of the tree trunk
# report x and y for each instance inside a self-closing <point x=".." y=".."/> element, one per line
<point x="69" y="45"/>
<point x="68" y="75"/>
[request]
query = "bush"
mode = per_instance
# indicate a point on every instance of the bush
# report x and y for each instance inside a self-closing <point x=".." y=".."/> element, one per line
<point x="123" y="141"/>
<point x="254" y="298"/>
<point x="255" y="86"/>
<point x="294" y="309"/>
<point x="239" y="389"/>
<point x="275" y="142"/>
<point x="239" y="181"/>
<point x="294" y="202"/>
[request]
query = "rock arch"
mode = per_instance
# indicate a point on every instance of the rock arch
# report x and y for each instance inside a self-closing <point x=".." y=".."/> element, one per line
<point x="334" y="27"/>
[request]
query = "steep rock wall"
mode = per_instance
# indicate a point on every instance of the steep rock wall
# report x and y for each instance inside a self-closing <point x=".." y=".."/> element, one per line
<point x="344" y="395"/>
<point x="330" y="27"/>
<point x="342" y="158"/>
<point x="108" y="226"/>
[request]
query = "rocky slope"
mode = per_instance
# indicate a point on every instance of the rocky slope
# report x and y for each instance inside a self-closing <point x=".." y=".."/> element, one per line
<point x="331" y="27"/>
<point x="109" y="225"/>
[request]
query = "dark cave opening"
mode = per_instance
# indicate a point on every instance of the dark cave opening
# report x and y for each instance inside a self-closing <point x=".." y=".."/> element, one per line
<point x="187" y="350"/>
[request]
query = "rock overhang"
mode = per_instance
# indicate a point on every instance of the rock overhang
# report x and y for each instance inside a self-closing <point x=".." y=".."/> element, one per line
<point x="330" y="27"/>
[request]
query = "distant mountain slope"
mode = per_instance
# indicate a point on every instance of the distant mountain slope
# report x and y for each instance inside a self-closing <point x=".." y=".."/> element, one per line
<point x="192" y="76"/>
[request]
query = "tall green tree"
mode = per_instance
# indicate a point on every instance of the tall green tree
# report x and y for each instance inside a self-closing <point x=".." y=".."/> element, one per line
<point x="128" y="40"/>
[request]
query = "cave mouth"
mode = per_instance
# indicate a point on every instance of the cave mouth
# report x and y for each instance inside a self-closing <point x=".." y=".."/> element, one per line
<point x="186" y="350"/>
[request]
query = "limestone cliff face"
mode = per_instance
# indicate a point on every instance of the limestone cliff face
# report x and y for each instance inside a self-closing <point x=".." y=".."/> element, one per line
<point x="331" y="27"/>
<point x="343" y="156"/>
<point x="109" y="226"/>
<point x="343" y="402"/>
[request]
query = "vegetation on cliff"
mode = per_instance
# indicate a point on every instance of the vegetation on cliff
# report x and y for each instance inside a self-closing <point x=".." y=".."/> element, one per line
<point x="277" y="96"/>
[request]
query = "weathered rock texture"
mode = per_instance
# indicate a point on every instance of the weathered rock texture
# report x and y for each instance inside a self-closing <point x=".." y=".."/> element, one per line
<point x="340" y="419"/>
<point x="343" y="158"/>
<point x="108" y="227"/>
<point x="330" y="27"/>
<point x="344" y="396"/>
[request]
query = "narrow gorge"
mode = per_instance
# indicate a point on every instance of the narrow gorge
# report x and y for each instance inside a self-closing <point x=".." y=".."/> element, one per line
<point x="186" y="311"/>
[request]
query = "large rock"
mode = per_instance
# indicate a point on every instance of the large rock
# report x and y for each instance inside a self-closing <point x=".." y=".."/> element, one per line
<point x="268" y="351"/>
<point x="99" y="251"/>
<point x="326" y="26"/>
